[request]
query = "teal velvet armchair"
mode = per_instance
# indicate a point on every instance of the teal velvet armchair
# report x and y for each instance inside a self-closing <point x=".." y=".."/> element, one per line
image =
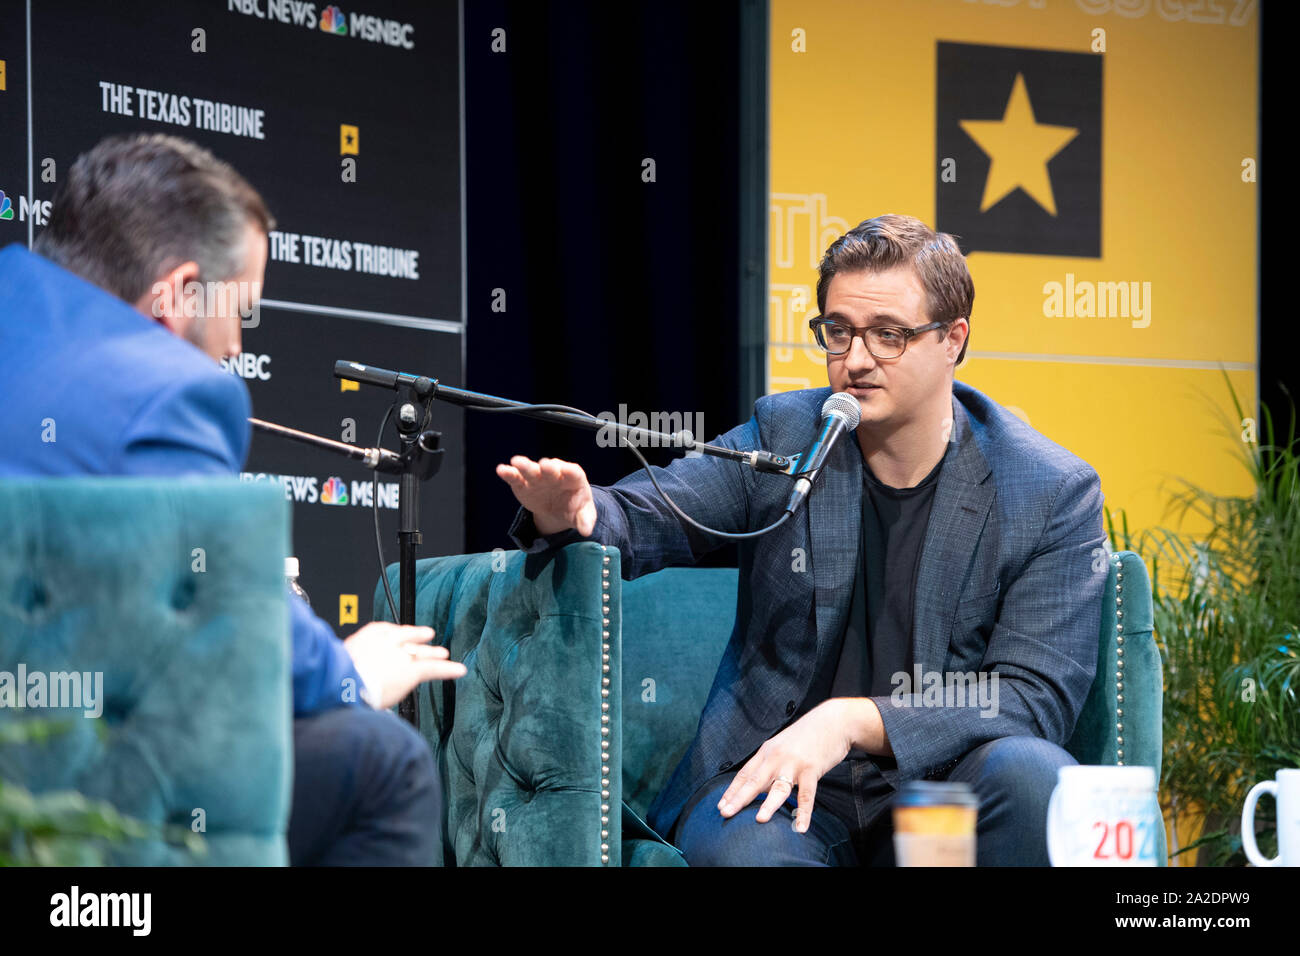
<point x="584" y="691"/>
<point x="162" y="605"/>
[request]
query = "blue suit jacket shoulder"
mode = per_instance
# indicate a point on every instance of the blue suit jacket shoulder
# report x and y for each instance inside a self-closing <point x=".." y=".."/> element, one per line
<point x="98" y="388"/>
<point x="94" y="387"/>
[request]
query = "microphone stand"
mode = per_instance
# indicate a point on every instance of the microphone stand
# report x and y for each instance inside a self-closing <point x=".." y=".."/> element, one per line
<point x="419" y="461"/>
<point x="423" y="458"/>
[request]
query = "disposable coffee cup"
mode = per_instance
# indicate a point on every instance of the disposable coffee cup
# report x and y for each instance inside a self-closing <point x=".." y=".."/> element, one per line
<point x="934" y="824"/>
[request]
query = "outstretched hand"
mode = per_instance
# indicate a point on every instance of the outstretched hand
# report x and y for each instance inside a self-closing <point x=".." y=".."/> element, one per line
<point x="555" y="491"/>
<point x="394" y="659"/>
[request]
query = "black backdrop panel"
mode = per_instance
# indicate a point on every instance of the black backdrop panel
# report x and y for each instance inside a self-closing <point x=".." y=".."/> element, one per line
<point x="13" y="121"/>
<point x="380" y="90"/>
<point x="308" y="84"/>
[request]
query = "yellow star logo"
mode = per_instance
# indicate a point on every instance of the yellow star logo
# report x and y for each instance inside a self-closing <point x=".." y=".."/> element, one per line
<point x="1018" y="149"/>
<point x="349" y="140"/>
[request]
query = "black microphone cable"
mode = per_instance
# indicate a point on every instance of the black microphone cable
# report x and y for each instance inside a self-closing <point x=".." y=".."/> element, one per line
<point x="645" y="465"/>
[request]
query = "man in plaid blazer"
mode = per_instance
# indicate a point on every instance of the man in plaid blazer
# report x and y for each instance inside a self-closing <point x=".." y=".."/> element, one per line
<point x="950" y="546"/>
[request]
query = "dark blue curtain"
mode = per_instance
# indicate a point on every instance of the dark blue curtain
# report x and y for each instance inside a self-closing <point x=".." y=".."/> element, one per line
<point x="617" y="290"/>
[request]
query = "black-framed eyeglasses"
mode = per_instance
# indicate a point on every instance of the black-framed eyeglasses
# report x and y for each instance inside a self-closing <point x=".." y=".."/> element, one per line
<point x="882" y="341"/>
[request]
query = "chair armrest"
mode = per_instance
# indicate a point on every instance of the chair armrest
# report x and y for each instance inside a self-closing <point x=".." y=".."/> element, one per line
<point x="1121" y="720"/>
<point x="530" y="739"/>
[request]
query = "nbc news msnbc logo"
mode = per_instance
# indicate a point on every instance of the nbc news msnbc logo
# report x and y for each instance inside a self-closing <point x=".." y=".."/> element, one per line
<point x="39" y="210"/>
<point x="308" y="489"/>
<point x="331" y="20"/>
<point x="335" y="492"/>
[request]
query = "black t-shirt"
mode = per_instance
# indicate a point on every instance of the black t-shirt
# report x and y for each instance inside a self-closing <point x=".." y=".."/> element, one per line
<point x="877" y="639"/>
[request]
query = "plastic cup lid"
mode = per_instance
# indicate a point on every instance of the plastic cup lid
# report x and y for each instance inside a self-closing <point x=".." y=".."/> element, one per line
<point x="931" y="793"/>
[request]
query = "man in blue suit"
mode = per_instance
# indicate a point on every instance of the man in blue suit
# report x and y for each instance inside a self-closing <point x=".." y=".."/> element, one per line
<point x="949" y="544"/>
<point x="114" y="342"/>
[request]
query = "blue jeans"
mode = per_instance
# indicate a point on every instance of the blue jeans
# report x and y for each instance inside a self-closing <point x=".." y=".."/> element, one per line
<point x="852" y="822"/>
<point x="366" y="792"/>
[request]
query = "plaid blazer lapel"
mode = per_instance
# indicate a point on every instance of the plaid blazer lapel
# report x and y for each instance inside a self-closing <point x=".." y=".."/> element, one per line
<point x="962" y="502"/>
<point x="834" y="527"/>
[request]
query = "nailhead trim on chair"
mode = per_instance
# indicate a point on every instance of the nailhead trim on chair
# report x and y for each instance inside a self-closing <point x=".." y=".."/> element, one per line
<point x="604" y="707"/>
<point x="1119" y="659"/>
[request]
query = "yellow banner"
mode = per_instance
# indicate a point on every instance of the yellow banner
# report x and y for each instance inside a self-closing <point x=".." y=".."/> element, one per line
<point x="1096" y="160"/>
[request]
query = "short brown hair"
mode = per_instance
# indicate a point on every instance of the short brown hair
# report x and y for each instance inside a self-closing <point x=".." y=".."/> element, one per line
<point x="887" y="241"/>
<point x="137" y="205"/>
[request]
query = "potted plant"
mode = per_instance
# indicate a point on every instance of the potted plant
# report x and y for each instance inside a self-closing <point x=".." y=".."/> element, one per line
<point x="1227" y="622"/>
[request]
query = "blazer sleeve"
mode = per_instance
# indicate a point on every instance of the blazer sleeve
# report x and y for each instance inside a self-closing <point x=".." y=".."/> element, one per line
<point x="191" y="426"/>
<point x="1042" y="651"/>
<point x="324" y="676"/>
<point x="632" y="516"/>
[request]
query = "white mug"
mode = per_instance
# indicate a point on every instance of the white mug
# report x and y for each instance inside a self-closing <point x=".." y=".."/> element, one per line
<point x="1285" y="788"/>
<point x="1103" y="816"/>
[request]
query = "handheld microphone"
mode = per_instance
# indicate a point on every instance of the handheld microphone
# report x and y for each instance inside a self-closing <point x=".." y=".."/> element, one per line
<point x="840" y="413"/>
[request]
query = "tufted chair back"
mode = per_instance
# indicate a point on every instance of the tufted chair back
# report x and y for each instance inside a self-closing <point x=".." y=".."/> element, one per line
<point x="168" y="596"/>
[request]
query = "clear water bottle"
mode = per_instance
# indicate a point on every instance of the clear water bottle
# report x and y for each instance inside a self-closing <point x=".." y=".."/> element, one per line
<point x="291" y="574"/>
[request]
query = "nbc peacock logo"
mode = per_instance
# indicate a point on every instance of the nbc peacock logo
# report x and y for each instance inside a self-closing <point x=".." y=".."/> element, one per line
<point x="332" y="21"/>
<point x="335" y="492"/>
<point x="6" y="206"/>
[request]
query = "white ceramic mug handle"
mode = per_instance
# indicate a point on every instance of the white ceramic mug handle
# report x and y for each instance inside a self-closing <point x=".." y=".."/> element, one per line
<point x="1248" y="824"/>
<point x="1053" y="832"/>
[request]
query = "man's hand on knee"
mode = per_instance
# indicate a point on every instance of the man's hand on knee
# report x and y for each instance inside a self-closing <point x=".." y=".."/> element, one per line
<point x="798" y="756"/>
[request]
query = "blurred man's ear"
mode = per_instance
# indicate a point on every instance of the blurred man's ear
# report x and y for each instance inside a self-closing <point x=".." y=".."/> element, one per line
<point x="958" y="333"/>
<point x="165" y="302"/>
